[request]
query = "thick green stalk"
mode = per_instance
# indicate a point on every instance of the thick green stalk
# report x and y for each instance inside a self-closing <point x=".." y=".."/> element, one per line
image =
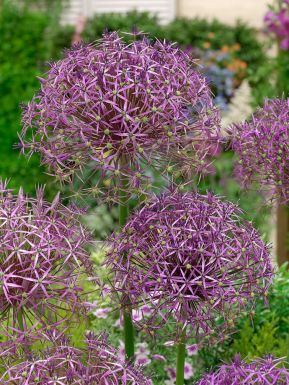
<point x="181" y="355"/>
<point x="20" y="320"/>
<point x="282" y="211"/>
<point x="127" y="312"/>
<point x="123" y="209"/>
<point x="20" y="316"/>
<point x="128" y="333"/>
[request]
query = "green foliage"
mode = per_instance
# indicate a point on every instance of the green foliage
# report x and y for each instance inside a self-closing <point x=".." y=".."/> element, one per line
<point x="269" y="330"/>
<point x="282" y="64"/>
<point x="23" y="51"/>
<point x="101" y="221"/>
<point x="263" y="82"/>
<point x="260" y="341"/>
<point x="196" y="32"/>
<point x="192" y="32"/>
<point x="266" y="332"/>
<point x="121" y="22"/>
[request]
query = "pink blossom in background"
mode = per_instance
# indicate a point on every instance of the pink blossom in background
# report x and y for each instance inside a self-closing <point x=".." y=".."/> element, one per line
<point x="158" y="357"/>
<point x="142" y="360"/>
<point x="121" y="351"/>
<point x="137" y="315"/>
<point x="102" y="312"/>
<point x="142" y="348"/>
<point x="188" y="371"/>
<point x="192" y="349"/>
<point x="169" y="343"/>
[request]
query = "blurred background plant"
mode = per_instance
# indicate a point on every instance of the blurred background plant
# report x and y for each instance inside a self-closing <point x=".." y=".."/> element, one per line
<point x="31" y="32"/>
<point x="27" y="42"/>
<point x="264" y="332"/>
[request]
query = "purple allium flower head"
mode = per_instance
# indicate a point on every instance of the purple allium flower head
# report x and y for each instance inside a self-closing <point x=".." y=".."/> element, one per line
<point x="277" y="22"/>
<point x="192" y="259"/>
<point x="42" y="259"/>
<point x="258" y="372"/>
<point x="95" y="364"/>
<point x="262" y="145"/>
<point x="115" y="108"/>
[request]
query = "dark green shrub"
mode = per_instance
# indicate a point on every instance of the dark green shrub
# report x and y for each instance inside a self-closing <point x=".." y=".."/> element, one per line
<point x="142" y="21"/>
<point x="26" y="43"/>
<point x="194" y="32"/>
<point x="264" y="332"/>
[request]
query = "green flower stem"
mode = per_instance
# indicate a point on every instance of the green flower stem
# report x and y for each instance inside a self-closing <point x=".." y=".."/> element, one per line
<point x="181" y="355"/>
<point x="20" y="320"/>
<point x="128" y="333"/>
<point x="20" y="316"/>
<point x="123" y="210"/>
<point x="127" y="312"/>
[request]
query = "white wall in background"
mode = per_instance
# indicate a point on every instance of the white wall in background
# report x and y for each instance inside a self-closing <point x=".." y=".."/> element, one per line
<point x="164" y="9"/>
<point x="251" y="11"/>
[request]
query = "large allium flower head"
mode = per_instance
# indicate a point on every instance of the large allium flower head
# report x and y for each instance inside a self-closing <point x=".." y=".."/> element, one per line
<point x="96" y="364"/>
<point x="263" y="371"/>
<point x="108" y="110"/>
<point x="191" y="258"/>
<point x="262" y="145"/>
<point x="42" y="259"/>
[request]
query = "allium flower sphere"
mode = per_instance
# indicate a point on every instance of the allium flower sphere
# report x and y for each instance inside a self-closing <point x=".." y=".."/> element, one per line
<point x="96" y="364"/>
<point x="262" y="145"/>
<point x="42" y="260"/>
<point x="191" y="258"/>
<point x="113" y="109"/>
<point x="258" y="372"/>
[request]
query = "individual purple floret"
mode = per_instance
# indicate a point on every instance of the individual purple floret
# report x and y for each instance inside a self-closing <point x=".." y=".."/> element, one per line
<point x="193" y="260"/>
<point x="107" y="111"/>
<point x="266" y="371"/>
<point x="95" y="364"/>
<point x="42" y="261"/>
<point x="262" y="145"/>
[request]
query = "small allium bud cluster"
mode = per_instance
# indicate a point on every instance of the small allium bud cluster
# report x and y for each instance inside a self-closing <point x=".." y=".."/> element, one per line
<point x="42" y="258"/>
<point x="113" y="109"/>
<point x="96" y="364"/>
<point x="262" y="145"/>
<point x="258" y="372"/>
<point x="192" y="257"/>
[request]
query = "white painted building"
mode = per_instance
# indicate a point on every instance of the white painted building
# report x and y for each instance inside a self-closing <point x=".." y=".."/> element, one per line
<point x="165" y="10"/>
<point x="228" y="11"/>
